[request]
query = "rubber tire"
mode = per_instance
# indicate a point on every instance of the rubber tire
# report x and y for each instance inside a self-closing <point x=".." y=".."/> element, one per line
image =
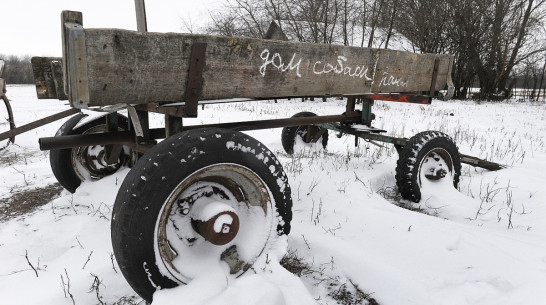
<point x="411" y="155"/>
<point x="61" y="159"/>
<point x="288" y="135"/>
<point x="140" y="200"/>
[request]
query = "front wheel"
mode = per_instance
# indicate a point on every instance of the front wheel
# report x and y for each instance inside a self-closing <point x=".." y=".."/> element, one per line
<point x="201" y="199"/>
<point x="428" y="157"/>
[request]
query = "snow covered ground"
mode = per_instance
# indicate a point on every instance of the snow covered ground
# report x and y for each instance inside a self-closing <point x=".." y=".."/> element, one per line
<point x="482" y="244"/>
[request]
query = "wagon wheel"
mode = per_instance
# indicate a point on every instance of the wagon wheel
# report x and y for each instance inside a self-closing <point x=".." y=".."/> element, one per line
<point x="308" y="133"/>
<point x="197" y="199"/>
<point x="8" y="121"/>
<point x="429" y="156"/>
<point x="71" y="166"/>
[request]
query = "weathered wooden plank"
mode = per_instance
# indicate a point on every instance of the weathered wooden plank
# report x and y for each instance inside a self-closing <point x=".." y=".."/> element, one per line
<point x="138" y="68"/>
<point x="75" y="18"/>
<point x="48" y="76"/>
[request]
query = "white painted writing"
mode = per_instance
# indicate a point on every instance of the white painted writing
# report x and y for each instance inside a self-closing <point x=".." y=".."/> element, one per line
<point x="276" y="61"/>
<point x="339" y="68"/>
<point x="391" y="80"/>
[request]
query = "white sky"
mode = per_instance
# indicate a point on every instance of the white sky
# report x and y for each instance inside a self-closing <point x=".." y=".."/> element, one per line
<point x="33" y="27"/>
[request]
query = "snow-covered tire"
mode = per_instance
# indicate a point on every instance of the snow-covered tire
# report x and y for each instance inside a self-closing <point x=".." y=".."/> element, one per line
<point x="428" y="155"/>
<point x="71" y="166"/>
<point x="289" y="134"/>
<point x="154" y="212"/>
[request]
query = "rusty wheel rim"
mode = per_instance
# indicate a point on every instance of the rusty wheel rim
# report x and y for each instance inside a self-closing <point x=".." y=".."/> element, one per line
<point x="177" y="240"/>
<point x="435" y="166"/>
<point x="89" y="162"/>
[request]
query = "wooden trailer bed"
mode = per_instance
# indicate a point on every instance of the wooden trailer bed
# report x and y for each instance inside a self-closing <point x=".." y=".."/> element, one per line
<point x="104" y="67"/>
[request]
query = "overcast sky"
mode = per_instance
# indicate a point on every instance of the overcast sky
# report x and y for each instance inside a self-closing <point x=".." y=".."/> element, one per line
<point x="33" y="27"/>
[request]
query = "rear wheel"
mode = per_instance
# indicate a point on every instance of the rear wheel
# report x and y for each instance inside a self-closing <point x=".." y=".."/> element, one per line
<point x="71" y="166"/>
<point x="307" y="133"/>
<point x="201" y="199"/>
<point x="429" y="157"/>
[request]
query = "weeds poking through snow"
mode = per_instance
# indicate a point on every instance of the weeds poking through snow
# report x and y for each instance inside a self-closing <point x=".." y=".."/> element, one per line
<point x="129" y="301"/>
<point x="295" y="264"/>
<point x="95" y="287"/>
<point x="113" y="264"/>
<point x="30" y="264"/>
<point x="314" y="184"/>
<point x="306" y="242"/>
<point x="66" y="287"/>
<point x="26" y="201"/>
<point x="343" y="293"/>
<point x="88" y="259"/>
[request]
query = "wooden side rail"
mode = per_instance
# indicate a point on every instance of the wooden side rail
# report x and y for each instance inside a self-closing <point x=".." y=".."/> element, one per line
<point x="110" y="66"/>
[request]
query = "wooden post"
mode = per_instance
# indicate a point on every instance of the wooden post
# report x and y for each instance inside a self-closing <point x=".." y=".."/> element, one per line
<point x="142" y="116"/>
<point x="142" y="25"/>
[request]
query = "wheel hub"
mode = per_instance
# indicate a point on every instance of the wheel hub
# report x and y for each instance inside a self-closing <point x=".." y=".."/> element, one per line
<point x="222" y="212"/>
<point x="93" y="159"/>
<point x="220" y="228"/>
<point x="436" y="165"/>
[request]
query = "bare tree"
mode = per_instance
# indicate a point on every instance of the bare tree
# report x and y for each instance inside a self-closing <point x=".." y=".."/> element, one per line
<point x="18" y="69"/>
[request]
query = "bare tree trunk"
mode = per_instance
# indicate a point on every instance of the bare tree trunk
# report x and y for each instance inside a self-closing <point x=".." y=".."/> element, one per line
<point x="375" y="15"/>
<point x="345" y="22"/>
<point x="541" y="80"/>
<point x="519" y="43"/>
<point x="364" y="19"/>
<point x="393" y="14"/>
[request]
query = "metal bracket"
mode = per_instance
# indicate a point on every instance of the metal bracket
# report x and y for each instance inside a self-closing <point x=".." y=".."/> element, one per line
<point x="136" y="121"/>
<point x="195" y="78"/>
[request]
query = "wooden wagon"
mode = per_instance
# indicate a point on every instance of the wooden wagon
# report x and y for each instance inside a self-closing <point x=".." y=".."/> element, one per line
<point x="195" y="194"/>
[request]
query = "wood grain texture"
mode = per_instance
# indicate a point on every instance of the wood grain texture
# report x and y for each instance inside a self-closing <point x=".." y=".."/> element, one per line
<point x="48" y="76"/>
<point x="137" y="68"/>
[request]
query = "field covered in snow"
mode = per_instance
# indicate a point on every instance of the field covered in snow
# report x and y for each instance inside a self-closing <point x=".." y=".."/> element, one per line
<point x="353" y="239"/>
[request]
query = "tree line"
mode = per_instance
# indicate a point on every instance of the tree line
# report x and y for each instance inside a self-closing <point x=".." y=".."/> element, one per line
<point x="495" y="43"/>
<point x="17" y="69"/>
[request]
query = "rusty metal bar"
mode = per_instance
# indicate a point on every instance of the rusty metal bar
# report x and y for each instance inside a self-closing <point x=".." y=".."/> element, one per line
<point x="195" y="79"/>
<point x="175" y="111"/>
<point x="402" y="98"/>
<point x="352" y="117"/>
<point x="38" y="123"/>
<point x="71" y="141"/>
<point x="350" y="104"/>
<point x="128" y="138"/>
<point x="173" y="125"/>
<point x="477" y="162"/>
